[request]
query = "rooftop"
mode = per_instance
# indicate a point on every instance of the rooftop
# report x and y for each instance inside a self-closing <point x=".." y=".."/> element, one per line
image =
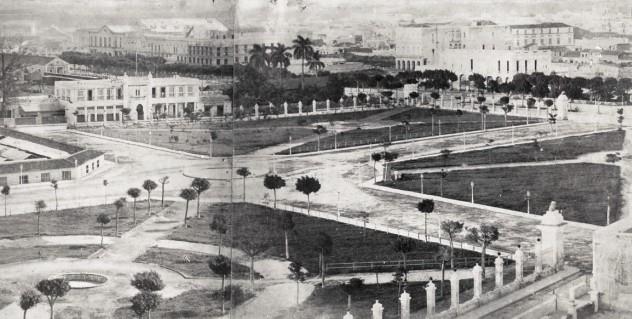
<point x="182" y="25"/>
<point x="540" y="25"/>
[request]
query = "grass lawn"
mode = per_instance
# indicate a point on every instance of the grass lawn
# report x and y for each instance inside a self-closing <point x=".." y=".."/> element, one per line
<point x="198" y="265"/>
<point x="420" y="126"/>
<point x="193" y="304"/>
<point x="563" y="148"/>
<point x="580" y="190"/>
<point x="349" y="243"/>
<point x="74" y="221"/>
<point x="14" y="255"/>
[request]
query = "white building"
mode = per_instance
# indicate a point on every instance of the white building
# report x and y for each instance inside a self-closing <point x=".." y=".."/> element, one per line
<point x="102" y="101"/>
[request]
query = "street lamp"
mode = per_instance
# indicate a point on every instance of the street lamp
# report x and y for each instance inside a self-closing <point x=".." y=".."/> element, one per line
<point x="105" y="193"/>
<point x="472" y="188"/>
<point x="528" y="202"/>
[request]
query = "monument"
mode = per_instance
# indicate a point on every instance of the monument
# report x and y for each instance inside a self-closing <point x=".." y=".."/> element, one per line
<point x="561" y="103"/>
<point x="552" y="228"/>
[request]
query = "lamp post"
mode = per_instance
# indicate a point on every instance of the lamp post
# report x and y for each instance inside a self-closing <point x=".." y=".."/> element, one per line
<point x="528" y="202"/>
<point x="105" y="193"/>
<point x="608" y="212"/>
<point x="472" y="188"/>
<point x="290" y="145"/>
<point x="421" y="183"/>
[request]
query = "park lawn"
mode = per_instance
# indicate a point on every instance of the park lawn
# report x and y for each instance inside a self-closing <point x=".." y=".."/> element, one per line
<point x="75" y="221"/>
<point x="197" y="267"/>
<point x="421" y="125"/>
<point x="580" y="190"/>
<point x="557" y="149"/>
<point x="192" y="304"/>
<point x="349" y="242"/>
<point x="21" y="254"/>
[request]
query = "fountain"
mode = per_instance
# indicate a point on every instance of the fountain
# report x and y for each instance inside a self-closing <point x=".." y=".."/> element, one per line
<point x="82" y="280"/>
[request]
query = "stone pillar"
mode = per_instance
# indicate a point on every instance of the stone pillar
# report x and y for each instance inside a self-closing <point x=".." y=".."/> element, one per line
<point x="441" y="105"/>
<point x="477" y="273"/>
<point x="454" y="290"/>
<point x="594" y="294"/>
<point x="300" y="107"/>
<point x="451" y="101"/>
<point x="538" y="256"/>
<point x="314" y="106"/>
<point x="552" y="226"/>
<point x="377" y="310"/>
<point x="355" y="102"/>
<point x="341" y="102"/>
<point x="270" y="107"/>
<point x="404" y="301"/>
<point x="285" y="108"/>
<point x="328" y="103"/>
<point x="472" y="101"/>
<point x="348" y="316"/>
<point x="519" y="259"/>
<point x="430" y="298"/>
<point x="499" y="271"/>
<point x="256" y="110"/>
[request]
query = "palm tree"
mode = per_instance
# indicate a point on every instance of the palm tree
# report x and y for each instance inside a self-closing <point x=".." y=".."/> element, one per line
<point x="403" y="246"/>
<point x="314" y="63"/>
<point x="426" y="206"/>
<point x="163" y="180"/>
<point x="287" y="224"/>
<point x="244" y="172"/>
<point x="221" y="266"/>
<point x="134" y="193"/>
<point x="118" y="204"/>
<point x="221" y="227"/>
<point x="376" y="157"/>
<point x="307" y="185"/>
<point x="273" y="182"/>
<point x="484" y="110"/>
<point x="258" y="56"/>
<point x="103" y="219"/>
<point x="452" y="228"/>
<point x="55" y="186"/>
<point x="188" y="194"/>
<point x="324" y="247"/>
<point x="506" y="107"/>
<point x="280" y="57"/>
<point x="483" y="236"/>
<point x="296" y="274"/>
<point x="6" y="190"/>
<point x="40" y="205"/>
<point x="302" y="50"/>
<point x="149" y="186"/>
<point x="200" y="185"/>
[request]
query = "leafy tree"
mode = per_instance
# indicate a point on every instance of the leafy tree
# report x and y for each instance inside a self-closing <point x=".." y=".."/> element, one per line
<point x="479" y="81"/>
<point x="297" y="274"/>
<point x="163" y="181"/>
<point x="492" y="87"/>
<point x="253" y="241"/>
<point x="147" y="281"/>
<point x="484" y="110"/>
<point x="521" y="84"/>
<point x="403" y="246"/>
<point x="452" y="228"/>
<point x="376" y="157"/>
<point x="318" y="131"/>
<point x="53" y="289"/>
<point x="426" y="207"/>
<point x="118" y="204"/>
<point x="244" y="172"/>
<point x="200" y="185"/>
<point x="149" y="186"/>
<point x="40" y="205"/>
<point x="258" y="57"/>
<point x="103" y="219"/>
<point x="219" y="225"/>
<point x="134" y="193"/>
<point x="435" y="96"/>
<point x="188" y="194"/>
<point x="307" y="185"/>
<point x="506" y="107"/>
<point x="6" y="190"/>
<point x="324" y="246"/>
<point x="221" y="266"/>
<point x="273" y="182"/>
<point x="287" y="224"/>
<point x="354" y="286"/>
<point x="484" y="236"/>
<point x="280" y="57"/>
<point x="442" y="176"/>
<point x="145" y="302"/>
<point x="414" y="96"/>
<point x="303" y="50"/>
<point x="28" y="300"/>
<point x="55" y="186"/>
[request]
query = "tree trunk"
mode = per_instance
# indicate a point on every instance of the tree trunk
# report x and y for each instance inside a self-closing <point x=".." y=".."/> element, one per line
<point x="56" y="203"/>
<point x="303" y="71"/>
<point x="252" y="274"/>
<point x="116" y="232"/>
<point x="297" y="292"/>
<point x="149" y="203"/>
<point x="186" y="214"/>
<point x="483" y="258"/>
<point x="274" y="191"/>
<point x="52" y="310"/>
<point x="348" y="302"/>
<point x="426" y="225"/>
<point x="219" y="248"/>
<point x="442" y="275"/>
<point x="322" y="269"/>
<point x="244" y="189"/>
<point x="101" y="235"/>
<point x="308" y="204"/>
<point x="287" y="248"/>
<point x="198" y="205"/>
<point x="24" y="317"/>
<point x="134" y="211"/>
<point x="374" y="178"/>
<point x="5" y="206"/>
<point x="162" y="196"/>
<point x="38" y="224"/>
<point x="451" y="254"/>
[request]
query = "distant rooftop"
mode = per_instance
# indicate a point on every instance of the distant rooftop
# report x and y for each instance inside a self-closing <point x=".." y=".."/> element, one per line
<point x="120" y="28"/>
<point x="182" y="25"/>
<point x="540" y="25"/>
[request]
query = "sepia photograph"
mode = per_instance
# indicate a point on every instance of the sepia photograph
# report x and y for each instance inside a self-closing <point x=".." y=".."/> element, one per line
<point x="315" y="159"/>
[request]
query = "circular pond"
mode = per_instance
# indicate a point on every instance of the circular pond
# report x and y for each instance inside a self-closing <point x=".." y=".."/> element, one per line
<point x="83" y="280"/>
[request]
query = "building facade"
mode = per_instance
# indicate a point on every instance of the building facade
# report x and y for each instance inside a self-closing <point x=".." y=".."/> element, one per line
<point x="543" y="34"/>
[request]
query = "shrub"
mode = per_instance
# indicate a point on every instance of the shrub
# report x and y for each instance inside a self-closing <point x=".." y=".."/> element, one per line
<point x="239" y="295"/>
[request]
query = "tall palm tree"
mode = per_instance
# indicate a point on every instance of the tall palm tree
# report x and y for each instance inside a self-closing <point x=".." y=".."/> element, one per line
<point x="134" y="193"/>
<point x="258" y="57"/>
<point x="40" y="205"/>
<point x="303" y="50"/>
<point x="279" y="56"/>
<point x="118" y="204"/>
<point x="314" y="63"/>
<point x="188" y="194"/>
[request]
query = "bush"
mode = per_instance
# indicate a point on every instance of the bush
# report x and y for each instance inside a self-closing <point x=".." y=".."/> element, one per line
<point x="239" y="295"/>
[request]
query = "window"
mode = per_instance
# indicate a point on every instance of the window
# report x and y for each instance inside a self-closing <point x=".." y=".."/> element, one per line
<point x="99" y="94"/>
<point x="171" y="91"/>
<point x="189" y="90"/>
<point x="517" y="66"/>
<point x="526" y="69"/>
<point x="81" y="95"/>
<point x="97" y="163"/>
<point x="498" y="66"/>
<point x="163" y="91"/>
<point x="535" y="65"/>
<point x="472" y="64"/>
<point x="217" y="62"/>
<point x="119" y="94"/>
<point x="45" y="177"/>
<point x="87" y="169"/>
<point x="180" y="91"/>
<point x="109" y="94"/>
<point x="153" y="92"/>
<point x="24" y="179"/>
<point x="507" y="66"/>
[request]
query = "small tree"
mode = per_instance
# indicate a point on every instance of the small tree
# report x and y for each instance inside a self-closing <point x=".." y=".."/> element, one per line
<point x="273" y="182"/>
<point x="324" y="247"/>
<point x="134" y="193"/>
<point x="149" y="186"/>
<point x="244" y="172"/>
<point x="145" y="302"/>
<point x="253" y="240"/>
<point x="200" y="185"/>
<point x="118" y="204"/>
<point x="376" y="157"/>
<point x="287" y="224"/>
<point x="403" y="246"/>
<point x="459" y="113"/>
<point x="220" y="226"/>
<point x="484" y="236"/>
<point x="435" y="96"/>
<point x="426" y="207"/>
<point x="188" y="194"/>
<point x="147" y="281"/>
<point x="442" y="176"/>
<point x="298" y="275"/>
<point x="318" y="131"/>
<point x="40" y="205"/>
<point x="506" y="107"/>
<point x="53" y="289"/>
<point x="163" y="181"/>
<point x="55" y="186"/>
<point x="354" y="286"/>
<point x="6" y="190"/>
<point x="445" y="155"/>
<point x="620" y="118"/>
<point x="103" y="219"/>
<point x="221" y="266"/>
<point x="484" y="110"/>
<point x="414" y="96"/>
<point x="307" y="185"/>
<point x="452" y="228"/>
<point x="28" y="300"/>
